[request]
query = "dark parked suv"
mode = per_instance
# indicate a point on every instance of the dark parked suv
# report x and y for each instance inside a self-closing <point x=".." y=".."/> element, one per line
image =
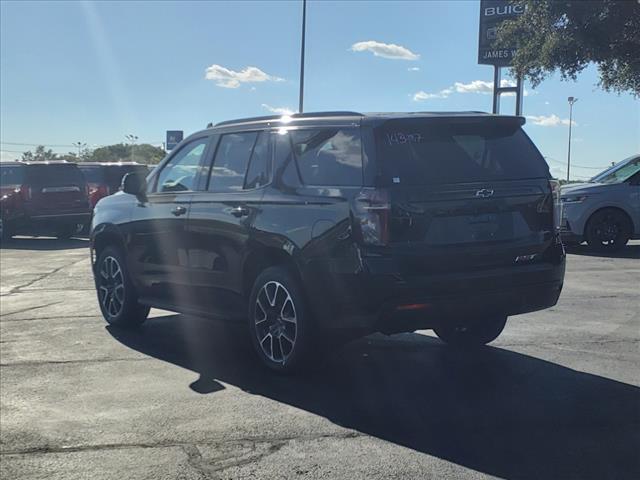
<point x="42" y="198"/>
<point x="104" y="178"/>
<point x="323" y="226"/>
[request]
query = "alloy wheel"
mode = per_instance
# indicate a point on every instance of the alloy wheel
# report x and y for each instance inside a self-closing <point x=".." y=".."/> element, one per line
<point x="111" y="286"/>
<point x="275" y="322"/>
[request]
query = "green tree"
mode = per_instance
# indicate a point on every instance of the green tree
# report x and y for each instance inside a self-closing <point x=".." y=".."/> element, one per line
<point x="120" y="152"/>
<point x="39" y="155"/>
<point x="567" y="35"/>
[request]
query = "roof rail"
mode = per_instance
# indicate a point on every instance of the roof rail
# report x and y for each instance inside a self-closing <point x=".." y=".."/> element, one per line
<point x="293" y="115"/>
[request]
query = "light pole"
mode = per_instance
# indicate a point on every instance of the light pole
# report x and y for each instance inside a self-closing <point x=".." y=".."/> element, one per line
<point x="304" y="21"/>
<point x="79" y="146"/>
<point x="571" y="101"/>
<point x="132" y="139"/>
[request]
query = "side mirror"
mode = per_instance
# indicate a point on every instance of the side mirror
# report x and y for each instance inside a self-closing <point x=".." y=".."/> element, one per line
<point x="134" y="184"/>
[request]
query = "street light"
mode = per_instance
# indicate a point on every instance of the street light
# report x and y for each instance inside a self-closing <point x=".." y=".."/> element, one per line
<point x="304" y="22"/>
<point x="79" y="146"/>
<point x="132" y="139"/>
<point x="571" y="101"/>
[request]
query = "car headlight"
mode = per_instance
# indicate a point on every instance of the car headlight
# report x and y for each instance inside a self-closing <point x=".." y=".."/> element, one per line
<point x="573" y="199"/>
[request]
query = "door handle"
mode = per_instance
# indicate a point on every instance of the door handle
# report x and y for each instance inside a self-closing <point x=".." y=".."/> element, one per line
<point x="240" y="211"/>
<point x="179" y="211"/>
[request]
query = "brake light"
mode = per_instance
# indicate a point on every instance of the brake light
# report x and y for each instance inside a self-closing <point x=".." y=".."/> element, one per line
<point x="557" y="204"/>
<point x="371" y="216"/>
<point x="25" y="192"/>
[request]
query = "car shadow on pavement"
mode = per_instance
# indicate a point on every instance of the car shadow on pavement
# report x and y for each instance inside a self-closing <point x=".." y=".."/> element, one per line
<point x="629" y="251"/>
<point x="494" y="411"/>
<point x="44" y="243"/>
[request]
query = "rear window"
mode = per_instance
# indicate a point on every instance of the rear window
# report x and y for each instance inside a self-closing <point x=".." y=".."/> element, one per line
<point x="11" y="175"/>
<point x="425" y="152"/>
<point x="55" y="174"/>
<point x="92" y="174"/>
<point x="115" y="173"/>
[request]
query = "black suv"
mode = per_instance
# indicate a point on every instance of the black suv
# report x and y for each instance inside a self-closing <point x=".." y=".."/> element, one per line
<point x="41" y="198"/>
<point x="322" y="226"/>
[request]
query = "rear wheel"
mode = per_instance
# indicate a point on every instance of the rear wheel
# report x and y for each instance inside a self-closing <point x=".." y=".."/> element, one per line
<point x="116" y="294"/>
<point x="608" y="229"/>
<point x="279" y="321"/>
<point x="64" y="232"/>
<point x="476" y="333"/>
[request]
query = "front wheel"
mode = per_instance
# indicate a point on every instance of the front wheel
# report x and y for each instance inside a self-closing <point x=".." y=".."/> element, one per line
<point x="608" y="229"/>
<point x="279" y="321"/>
<point x="116" y="293"/>
<point x="469" y="334"/>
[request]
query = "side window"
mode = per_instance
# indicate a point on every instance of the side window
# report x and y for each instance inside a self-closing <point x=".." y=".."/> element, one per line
<point x="179" y="175"/>
<point x="230" y="164"/>
<point x="259" y="172"/>
<point x="330" y="156"/>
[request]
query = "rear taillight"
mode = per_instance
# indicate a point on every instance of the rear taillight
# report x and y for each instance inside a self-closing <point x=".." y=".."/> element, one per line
<point x="371" y="214"/>
<point x="25" y="192"/>
<point x="557" y="204"/>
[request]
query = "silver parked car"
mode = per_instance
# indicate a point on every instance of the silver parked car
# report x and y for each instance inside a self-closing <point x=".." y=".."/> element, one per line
<point x="605" y="212"/>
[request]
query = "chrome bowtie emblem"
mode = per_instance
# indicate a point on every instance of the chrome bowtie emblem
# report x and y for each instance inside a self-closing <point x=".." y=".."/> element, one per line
<point x="484" y="193"/>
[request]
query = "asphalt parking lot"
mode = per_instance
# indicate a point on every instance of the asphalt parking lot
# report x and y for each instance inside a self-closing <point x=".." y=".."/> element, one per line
<point x="556" y="396"/>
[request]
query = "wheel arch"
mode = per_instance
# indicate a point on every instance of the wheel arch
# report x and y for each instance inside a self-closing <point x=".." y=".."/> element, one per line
<point x="262" y="258"/>
<point x="104" y="236"/>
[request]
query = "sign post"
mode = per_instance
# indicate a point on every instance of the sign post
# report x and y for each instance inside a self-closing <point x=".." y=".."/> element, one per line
<point x="492" y="14"/>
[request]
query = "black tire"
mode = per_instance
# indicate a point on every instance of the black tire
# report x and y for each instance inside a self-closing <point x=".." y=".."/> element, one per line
<point x="473" y="334"/>
<point x="6" y="231"/>
<point x="608" y="230"/>
<point x="65" y="232"/>
<point x="122" y="310"/>
<point x="281" y="330"/>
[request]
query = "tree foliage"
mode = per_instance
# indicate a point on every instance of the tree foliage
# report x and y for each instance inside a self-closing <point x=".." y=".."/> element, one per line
<point x="40" y="154"/>
<point x="143" y="153"/>
<point x="567" y="35"/>
<point x="119" y="152"/>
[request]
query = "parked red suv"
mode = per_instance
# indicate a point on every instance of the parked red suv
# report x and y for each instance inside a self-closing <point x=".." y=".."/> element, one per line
<point x="104" y="178"/>
<point x="42" y="198"/>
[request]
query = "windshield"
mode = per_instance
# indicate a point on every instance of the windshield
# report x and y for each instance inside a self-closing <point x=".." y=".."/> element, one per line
<point x="619" y="173"/>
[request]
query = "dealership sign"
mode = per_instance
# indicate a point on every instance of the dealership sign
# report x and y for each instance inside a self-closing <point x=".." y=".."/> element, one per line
<point x="492" y="14"/>
<point x="174" y="137"/>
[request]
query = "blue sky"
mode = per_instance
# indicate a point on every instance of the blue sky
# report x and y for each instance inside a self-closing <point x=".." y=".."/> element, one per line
<point x="94" y="72"/>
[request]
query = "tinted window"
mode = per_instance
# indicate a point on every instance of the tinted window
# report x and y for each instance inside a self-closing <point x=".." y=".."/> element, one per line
<point x="93" y="174"/>
<point x="259" y="171"/>
<point x="424" y="152"/>
<point x="180" y="173"/>
<point x="55" y="174"/>
<point x="11" y="175"/>
<point x="328" y="156"/>
<point x="230" y="164"/>
<point x="116" y="172"/>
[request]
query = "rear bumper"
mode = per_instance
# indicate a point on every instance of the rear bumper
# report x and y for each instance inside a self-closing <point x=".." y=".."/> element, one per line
<point x="70" y="217"/>
<point x="377" y="299"/>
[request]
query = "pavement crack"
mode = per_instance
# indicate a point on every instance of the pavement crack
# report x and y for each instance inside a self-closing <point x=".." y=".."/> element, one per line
<point x="38" y="278"/>
<point x="67" y="362"/>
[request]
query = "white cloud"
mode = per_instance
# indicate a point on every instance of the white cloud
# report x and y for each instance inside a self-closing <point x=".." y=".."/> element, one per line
<point x="413" y="69"/>
<point x="549" y="120"/>
<point x="546" y="103"/>
<point x="422" y="95"/>
<point x="385" y="50"/>
<point x="227" y="78"/>
<point x="485" y="88"/>
<point x="278" y="110"/>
